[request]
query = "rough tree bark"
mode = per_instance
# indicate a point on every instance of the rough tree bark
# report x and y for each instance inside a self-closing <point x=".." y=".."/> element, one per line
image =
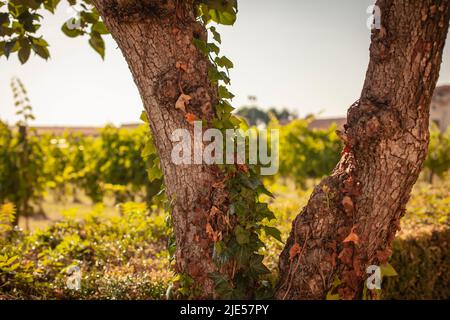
<point x="155" y="37"/>
<point x="353" y="215"/>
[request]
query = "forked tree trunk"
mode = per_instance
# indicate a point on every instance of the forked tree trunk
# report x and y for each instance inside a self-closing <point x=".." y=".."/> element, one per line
<point x="352" y="216"/>
<point x="156" y="39"/>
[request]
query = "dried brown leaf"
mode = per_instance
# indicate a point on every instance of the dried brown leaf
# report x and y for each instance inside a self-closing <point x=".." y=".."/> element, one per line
<point x="352" y="237"/>
<point x="295" y="250"/>
<point x="181" y="102"/>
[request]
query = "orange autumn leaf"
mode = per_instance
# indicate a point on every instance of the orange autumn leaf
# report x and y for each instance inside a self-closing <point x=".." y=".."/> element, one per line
<point x="190" y="117"/>
<point x="295" y="250"/>
<point x="214" y="211"/>
<point x="181" y="65"/>
<point x="242" y="168"/>
<point x="209" y="230"/>
<point x="218" y="185"/>
<point x="352" y="237"/>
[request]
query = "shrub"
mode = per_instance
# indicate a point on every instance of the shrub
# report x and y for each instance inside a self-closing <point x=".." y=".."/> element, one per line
<point x="422" y="261"/>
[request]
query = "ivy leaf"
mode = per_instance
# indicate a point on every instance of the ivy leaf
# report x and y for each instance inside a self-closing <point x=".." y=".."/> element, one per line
<point x="257" y="265"/>
<point x="263" y="211"/>
<point x="215" y="34"/>
<point x="221" y="285"/>
<point x="201" y="45"/>
<point x="143" y="116"/>
<point x="242" y="235"/>
<point x="148" y="149"/>
<point x="262" y="190"/>
<point x="224" y="93"/>
<point x="387" y="270"/>
<point x="224" y="62"/>
<point x="212" y="47"/>
<point x="273" y="232"/>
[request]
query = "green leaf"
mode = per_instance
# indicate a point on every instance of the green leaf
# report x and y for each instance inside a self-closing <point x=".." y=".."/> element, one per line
<point x="201" y="45"/>
<point x="224" y="93"/>
<point x="24" y="53"/>
<point x="41" y="51"/>
<point x="330" y="295"/>
<point x="9" y="47"/>
<point x="224" y="62"/>
<point x="263" y="211"/>
<point x="215" y="34"/>
<point x="257" y="265"/>
<point x="212" y="47"/>
<point x="39" y="46"/>
<point x="242" y="235"/>
<point x="273" y="232"/>
<point x="100" y="27"/>
<point x="89" y="17"/>
<point x="4" y="18"/>
<point x="71" y="32"/>
<point x="143" y="116"/>
<point x="221" y="285"/>
<point x="148" y="150"/>
<point x="388" y="271"/>
<point x="50" y="5"/>
<point x="262" y="190"/>
<point x="97" y="42"/>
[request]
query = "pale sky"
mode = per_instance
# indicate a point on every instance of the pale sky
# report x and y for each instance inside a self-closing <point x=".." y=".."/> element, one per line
<point x="309" y="56"/>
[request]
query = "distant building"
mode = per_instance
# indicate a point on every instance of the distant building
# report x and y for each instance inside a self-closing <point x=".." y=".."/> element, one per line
<point x="439" y="114"/>
<point x="440" y="107"/>
<point x="58" y="131"/>
<point x="326" y="123"/>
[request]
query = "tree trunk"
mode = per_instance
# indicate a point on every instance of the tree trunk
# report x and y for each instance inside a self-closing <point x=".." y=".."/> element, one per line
<point x="353" y="215"/>
<point x="156" y="39"/>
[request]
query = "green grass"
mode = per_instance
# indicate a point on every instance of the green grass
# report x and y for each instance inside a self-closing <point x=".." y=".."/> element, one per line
<point x="122" y="253"/>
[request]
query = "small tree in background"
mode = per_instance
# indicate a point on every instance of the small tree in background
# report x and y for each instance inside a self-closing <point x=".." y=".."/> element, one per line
<point x="438" y="159"/>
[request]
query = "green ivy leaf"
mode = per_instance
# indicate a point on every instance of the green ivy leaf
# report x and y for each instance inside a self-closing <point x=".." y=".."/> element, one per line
<point x="216" y="35"/>
<point x="388" y="271"/>
<point x="273" y="232"/>
<point x="242" y="235"/>
<point x="201" y="45"/>
<point x="224" y="62"/>
<point x="224" y="93"/>
<point x="143" y="116"/>
<point x="257" y="265"/>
